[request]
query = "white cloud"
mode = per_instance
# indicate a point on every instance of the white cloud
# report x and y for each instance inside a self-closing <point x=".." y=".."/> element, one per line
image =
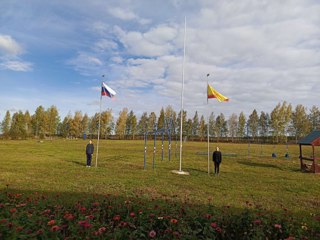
<point x="18" y="66"/>
<point x="122" y="14"/>
<point x="126" y="15"/>
<point x="100" y="28"/>
<point x="9" y="46"/>
<point x="10" y="60"/>
<point x="145" y="69"/>
<point x="86" y="63"/>
<point x="161" y="34"/>
<point x="144" y="44"/>
<point x="104" y="45"/>
<point x="117" y="60"/>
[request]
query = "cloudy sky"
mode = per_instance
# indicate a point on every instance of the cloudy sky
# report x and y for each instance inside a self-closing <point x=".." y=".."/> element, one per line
<point x="257" y="52"/>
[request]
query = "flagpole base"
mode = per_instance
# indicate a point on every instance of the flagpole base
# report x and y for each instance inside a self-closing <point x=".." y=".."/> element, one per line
<point x="180" y="172"/>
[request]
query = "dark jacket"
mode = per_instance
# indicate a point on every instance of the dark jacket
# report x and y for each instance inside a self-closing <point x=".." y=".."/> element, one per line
<point x="89" y="148"/>
<point x="217" y="157"/>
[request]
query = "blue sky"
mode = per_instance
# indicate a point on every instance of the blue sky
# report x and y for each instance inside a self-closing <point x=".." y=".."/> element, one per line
<point x="258" y="53"/>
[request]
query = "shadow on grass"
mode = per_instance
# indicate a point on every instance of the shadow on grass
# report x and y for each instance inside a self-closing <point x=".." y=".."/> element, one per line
<point x="264" y="165"/>
<point x="79" y="163"/>
<point x="196" y="170"/>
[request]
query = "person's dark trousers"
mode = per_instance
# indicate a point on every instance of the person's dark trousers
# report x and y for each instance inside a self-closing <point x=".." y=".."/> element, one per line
<point x="216" y="168"/>
<point x="89" y="158"/>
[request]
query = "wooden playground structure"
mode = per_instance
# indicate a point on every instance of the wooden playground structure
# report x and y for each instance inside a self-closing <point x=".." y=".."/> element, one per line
<point x="313" y="164"/>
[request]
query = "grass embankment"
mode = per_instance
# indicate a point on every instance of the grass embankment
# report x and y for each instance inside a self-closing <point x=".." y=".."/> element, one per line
<point x="249" y="176"/>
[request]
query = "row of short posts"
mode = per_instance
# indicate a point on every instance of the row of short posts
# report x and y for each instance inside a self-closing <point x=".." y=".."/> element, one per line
<point x="155" y="133"/>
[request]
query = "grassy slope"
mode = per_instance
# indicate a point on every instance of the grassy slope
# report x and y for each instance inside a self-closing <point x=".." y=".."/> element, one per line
<point x="59" y="167"/>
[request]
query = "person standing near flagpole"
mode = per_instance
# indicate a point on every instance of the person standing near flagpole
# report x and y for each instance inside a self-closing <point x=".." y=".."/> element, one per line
<point x="217" y="159"/>
<point x="109" y="92"/>
<point x="89" y="152"/>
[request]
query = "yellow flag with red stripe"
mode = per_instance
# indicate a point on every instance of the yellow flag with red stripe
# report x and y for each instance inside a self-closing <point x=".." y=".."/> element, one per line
<point x="212" y="93"/>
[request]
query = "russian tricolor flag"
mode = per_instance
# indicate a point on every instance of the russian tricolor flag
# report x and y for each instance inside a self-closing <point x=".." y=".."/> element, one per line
<point x="107" y="91"/>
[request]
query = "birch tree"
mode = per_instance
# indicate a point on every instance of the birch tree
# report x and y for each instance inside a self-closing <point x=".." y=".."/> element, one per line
<point x="233" y="126"/>
<point x="314" y="118"/>
<point x="253" y="123"/>
<point x="280" y="119"/>
<point x="5" y="125"/>
<point x="121" y="123"/>
<point x="300" y="122"/>
<point x="241" y="132"/>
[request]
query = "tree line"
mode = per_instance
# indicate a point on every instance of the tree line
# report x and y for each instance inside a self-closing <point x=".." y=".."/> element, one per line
<point x="283" y="123"/>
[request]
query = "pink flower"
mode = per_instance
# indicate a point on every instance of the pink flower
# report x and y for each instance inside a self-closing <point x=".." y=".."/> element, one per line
<point x="99" y="232"/>
<point x="116" y="218"/>
<point x="68" y="216"/>
<point x="102" y="229"/>
<point x="132" y="214"/>
<point x="208" y="216"/>
<point x="85" y="224"/>
<point x="123" y="224"/>
<point x="257" y="221"/>
<point x="13" y="210"/>
<point x="277" y="226"/>
<point x="218" y="229"/>
<point x="82" y="222"/>
<point x="173" y="220"/>
<point x="83" y="209"/>
<point x="18" y="195"/>
<point x="88" y="225"/>
<point x="213" y="225"/>
<point x="47" y="211"/>
<point x="95" y="204"/>
<point x="152" y="234"/>
<point x="55" y="228"/>
<point x="19" y="229"/>
<point x="51" y="222"/>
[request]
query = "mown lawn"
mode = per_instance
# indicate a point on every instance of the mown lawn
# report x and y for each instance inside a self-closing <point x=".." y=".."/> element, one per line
<point x="58" y="166"/>
<point x="249" y="175"/>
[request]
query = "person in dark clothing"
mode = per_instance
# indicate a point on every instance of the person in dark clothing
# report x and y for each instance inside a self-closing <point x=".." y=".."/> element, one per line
<point x="217" y="159"/>
<point x="89" y="152"/>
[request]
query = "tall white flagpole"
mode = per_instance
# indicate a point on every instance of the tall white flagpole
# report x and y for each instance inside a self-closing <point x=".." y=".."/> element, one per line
<point x="99" y="128"/>
<point x="182" y="90"/>
<point x="208" y="128"/>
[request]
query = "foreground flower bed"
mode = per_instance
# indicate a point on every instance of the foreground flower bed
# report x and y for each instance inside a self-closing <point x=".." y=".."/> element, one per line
<point x="38" y="216"/>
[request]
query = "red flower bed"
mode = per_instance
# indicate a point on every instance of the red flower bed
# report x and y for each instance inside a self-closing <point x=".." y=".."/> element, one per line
<point x="40" y="217"/>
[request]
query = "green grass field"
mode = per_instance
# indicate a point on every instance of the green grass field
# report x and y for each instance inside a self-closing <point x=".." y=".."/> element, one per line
<point x="58" y="167"/>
